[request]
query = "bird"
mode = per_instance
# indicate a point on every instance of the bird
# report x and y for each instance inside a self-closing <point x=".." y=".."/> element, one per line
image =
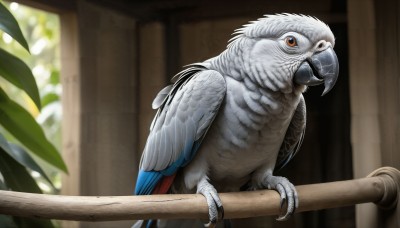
<point x="228" y="123"/>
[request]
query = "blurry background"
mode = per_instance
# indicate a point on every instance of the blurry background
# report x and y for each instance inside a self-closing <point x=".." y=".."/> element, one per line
<point x="42" y="32"/>
<point x="117" y="54"/>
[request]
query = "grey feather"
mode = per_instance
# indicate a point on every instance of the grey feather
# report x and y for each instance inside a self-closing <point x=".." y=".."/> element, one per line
<point x="161" y="96"/>
<point x="294" y="136"/>
<point x="184" y="115"/>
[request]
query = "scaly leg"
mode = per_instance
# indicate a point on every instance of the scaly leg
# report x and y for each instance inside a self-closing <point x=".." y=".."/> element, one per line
<point x="287" y="192"/>
<point x="214" y="202"/>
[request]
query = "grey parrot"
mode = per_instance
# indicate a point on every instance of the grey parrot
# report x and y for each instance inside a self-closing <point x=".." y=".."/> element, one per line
<point x="230" y="121"/>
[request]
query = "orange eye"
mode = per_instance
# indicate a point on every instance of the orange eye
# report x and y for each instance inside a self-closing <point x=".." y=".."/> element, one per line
<point x="291" y="41"/>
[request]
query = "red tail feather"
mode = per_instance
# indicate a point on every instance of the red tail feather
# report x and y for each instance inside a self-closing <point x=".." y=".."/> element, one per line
<point x="163" y="186"/>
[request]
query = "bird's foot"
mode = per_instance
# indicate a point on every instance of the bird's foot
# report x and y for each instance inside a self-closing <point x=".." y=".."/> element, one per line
<point x="287" y="192"/>
<point x="215" y="208"/>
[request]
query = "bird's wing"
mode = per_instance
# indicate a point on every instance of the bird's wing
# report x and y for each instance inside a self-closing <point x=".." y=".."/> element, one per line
<point x="185" y="113"/>
<point x="294" y="136"/>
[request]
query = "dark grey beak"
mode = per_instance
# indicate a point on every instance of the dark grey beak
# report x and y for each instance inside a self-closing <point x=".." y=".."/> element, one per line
<point x="322" y="67"/>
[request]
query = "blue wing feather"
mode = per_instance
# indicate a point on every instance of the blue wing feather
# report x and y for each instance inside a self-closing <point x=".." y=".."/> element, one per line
<point x="191" y="127"/>
<point x="147" y="181"/>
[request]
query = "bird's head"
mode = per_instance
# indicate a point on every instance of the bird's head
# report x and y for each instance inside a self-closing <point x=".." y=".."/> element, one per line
<point x="287" y="50"/>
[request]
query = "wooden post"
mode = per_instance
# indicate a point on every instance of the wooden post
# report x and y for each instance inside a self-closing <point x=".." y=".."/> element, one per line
<point x="388" y="61"/>
<point x="70" y="81"/>
<point x="365" y="128"/>
<point x="100" y="103"/>
<point x="374" y="87"/>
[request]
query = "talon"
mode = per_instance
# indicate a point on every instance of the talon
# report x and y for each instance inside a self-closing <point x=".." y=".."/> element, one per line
<point x="282" y="193"/>
<point x="221" y="209"/>
<point x="214" y="203"/>
<point x="284" y="218"/>
<point x="210" y="224"/>
<point x="283" y="201"/>
<point x="287" y="192"/>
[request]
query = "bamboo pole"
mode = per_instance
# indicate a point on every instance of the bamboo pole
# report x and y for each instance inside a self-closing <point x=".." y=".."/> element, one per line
<point x="381" y="187"/>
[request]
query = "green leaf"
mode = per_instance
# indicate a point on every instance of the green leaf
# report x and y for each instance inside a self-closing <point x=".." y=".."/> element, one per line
<point x="5" y="145"/>
<point x="18" y="73"/>
<point x="9" y="25"/>
<point x="49" y="98"/>
<point x="18" y="179"/>
<point x="23" y="127"/>
<point x="55" y="77"/>
<point x="15" y="175"/>
<point x="21" y="156"/>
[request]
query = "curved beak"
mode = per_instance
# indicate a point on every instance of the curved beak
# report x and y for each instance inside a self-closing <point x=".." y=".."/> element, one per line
<point x="322" y="67"/>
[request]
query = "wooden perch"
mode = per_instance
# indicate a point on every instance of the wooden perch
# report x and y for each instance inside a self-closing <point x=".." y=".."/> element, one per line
<point x="380" y="187"/>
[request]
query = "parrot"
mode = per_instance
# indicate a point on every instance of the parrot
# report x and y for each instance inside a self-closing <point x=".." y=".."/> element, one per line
<point x="230" y="122"/>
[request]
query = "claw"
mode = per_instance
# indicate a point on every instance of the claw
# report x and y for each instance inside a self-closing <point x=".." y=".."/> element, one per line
<point x="282" y="193"/>
<point x="210" y="224"/>
<point x="222" y="211"/>
<point x="284" y="218"/>
<point x="287" y="192"/>
<point x="215" y="208"/>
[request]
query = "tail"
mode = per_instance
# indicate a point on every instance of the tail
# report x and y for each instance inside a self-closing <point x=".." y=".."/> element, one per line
<point x="145" y="224"/>
<point x="138" y="224"/>
<point x="161" y="187"/>
<point x="177" y="223"/>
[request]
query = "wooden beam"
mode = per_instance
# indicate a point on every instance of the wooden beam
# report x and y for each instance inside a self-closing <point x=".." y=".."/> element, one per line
<point x="381" y="187"/>
<point x="192" y="10"/>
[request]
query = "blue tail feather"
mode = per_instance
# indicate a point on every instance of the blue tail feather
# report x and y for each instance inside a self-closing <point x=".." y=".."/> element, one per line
<point x="147" y="181"/>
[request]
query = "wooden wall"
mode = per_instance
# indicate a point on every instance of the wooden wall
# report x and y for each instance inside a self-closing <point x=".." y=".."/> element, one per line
<point x="387" y="19"/>
<point x="113" y="65"/>
<point x="388" y="78"/>
<point x="366" y="140"/>
<point x="152" y="74"/>
<point x="100" y="104"/>
<point x="375" y="102"/>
